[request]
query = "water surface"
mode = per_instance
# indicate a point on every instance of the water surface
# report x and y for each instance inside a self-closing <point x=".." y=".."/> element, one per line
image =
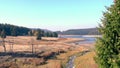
<point x="87" y="39"/>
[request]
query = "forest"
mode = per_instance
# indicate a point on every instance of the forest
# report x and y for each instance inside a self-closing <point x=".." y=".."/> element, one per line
<point x="12" y="30"/>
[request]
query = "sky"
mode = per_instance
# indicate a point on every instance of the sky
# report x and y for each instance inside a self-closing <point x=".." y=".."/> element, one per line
<point x="53" y="14"/>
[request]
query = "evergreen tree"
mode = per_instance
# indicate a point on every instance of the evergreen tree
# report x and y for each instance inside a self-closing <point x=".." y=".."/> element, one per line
<point x="39" y="35"/>
<point x="47" y="34"/>
<point x="55" y="34"/>
<point x="14" y="31"/>
<point x="3" y="34"/>
<point x="108" y="47"/>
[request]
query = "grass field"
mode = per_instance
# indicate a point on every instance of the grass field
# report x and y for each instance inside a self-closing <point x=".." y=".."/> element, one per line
<point x="47" y="53"/>
<point x="86" y="61"/>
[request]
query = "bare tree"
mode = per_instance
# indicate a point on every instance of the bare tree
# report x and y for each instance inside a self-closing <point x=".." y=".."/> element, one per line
<point x="11" y="43"/>
<point x="3" y="36"/>
<point x="32" y="45"/>
<point x="3" y="44"/>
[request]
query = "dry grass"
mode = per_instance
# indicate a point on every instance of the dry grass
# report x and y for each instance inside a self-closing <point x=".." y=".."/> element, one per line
<point x="86" y="61"/>
<point x="51" y="64"/>
<point x="48" y="46"/>
<point x="45" y="49"/>
<point x="65" y="56"/>
<point x="23" y="43"/>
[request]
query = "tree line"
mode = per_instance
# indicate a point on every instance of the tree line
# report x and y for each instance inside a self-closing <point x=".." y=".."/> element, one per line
<point x="12" y="30"/>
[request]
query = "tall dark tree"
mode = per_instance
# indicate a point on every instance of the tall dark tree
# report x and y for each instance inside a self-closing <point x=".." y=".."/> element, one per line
<point x="39" y="35"/>
<point x="108" y="47"/>
<point x="55" y="34"/>
<point x="3" y="34"/>
<point x="14" y="31"/>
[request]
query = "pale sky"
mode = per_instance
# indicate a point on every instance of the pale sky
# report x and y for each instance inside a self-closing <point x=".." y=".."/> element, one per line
<point x="53" y="14"/>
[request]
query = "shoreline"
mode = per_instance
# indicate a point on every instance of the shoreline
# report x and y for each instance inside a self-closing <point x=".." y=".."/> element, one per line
<point x="83" y="35"/>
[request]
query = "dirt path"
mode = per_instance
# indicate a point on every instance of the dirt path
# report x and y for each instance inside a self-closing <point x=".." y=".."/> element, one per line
<point x="70" y="63"/>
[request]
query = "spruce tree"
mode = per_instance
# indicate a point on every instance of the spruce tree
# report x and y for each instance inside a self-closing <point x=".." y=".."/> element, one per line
<point x="108" y="47"/>
<point x="3" y="34"/>
<point x="39" y="35"/>
<point x="55" y="34"/>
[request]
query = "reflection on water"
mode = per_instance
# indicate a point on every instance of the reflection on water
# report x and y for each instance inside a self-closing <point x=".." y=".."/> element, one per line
<point x="87" y="39"/>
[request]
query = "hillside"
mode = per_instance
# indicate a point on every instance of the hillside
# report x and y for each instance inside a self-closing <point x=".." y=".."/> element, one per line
<point x="88" y="31"/>
<point x="13" y="30"/>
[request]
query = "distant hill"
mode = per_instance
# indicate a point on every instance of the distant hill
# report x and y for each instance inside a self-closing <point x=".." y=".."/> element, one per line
<point x="88" y="31"/>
